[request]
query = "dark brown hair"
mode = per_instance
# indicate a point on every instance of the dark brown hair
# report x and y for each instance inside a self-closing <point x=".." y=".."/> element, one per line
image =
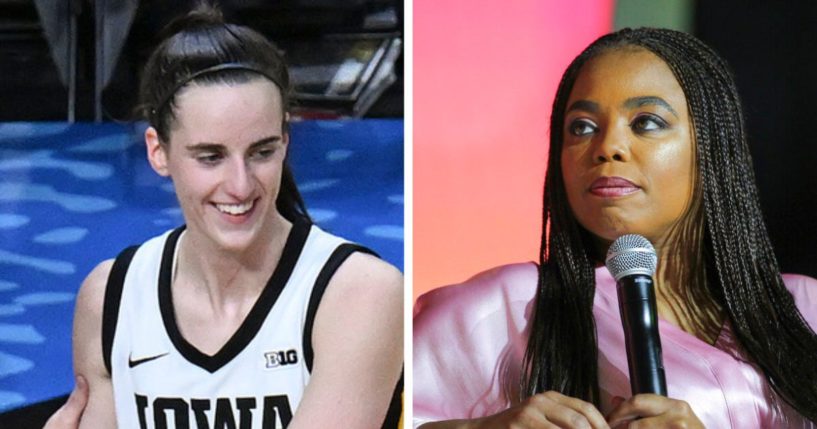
<point x="202" y="48"/>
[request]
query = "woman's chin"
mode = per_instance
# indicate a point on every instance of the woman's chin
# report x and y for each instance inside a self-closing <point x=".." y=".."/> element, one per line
<point x="234" y="241"/>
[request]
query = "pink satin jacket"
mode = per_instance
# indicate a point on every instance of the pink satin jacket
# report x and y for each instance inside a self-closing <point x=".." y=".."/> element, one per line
<point x="470" y="339"/>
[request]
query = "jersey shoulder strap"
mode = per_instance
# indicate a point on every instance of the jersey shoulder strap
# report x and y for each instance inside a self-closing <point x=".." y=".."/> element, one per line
<point x="113" y="297"/>
<point x="341" y="253"/>
<point x="337" y="258"/>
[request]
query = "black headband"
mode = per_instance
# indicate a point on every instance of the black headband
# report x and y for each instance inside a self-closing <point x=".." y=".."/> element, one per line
<point x="212" y="69"/>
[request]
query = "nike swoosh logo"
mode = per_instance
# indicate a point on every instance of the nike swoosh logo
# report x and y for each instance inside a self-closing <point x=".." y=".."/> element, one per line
<point x="133" y="363"/>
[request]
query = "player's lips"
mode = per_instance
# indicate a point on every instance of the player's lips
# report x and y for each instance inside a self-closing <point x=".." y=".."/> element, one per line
<point x="236" y="209"/>
<point x="612" y="187"/>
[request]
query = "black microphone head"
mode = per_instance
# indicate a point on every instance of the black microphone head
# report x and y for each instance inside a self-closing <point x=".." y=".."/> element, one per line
<point x="631" y="254"/>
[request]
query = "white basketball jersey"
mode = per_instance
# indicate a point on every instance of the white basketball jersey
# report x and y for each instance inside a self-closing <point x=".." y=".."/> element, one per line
<point x="255" y="381"/>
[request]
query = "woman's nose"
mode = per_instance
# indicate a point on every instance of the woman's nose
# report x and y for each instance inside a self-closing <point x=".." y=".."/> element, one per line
<point x="612" y="145"/>
<point x="238" y="182"/>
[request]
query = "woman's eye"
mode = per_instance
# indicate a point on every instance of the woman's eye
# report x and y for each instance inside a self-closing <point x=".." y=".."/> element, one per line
<point x="208" y="158"/>
<point x="262" y="154"/>
<point x="581" y="127"/>
<point x="648" y="123"/>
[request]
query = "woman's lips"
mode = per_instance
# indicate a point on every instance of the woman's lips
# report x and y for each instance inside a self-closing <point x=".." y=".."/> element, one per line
<point x="612" y="187"/>
<point x="236" y="213"/>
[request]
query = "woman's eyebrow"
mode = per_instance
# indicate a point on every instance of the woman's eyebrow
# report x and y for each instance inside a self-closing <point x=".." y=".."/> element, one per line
<point x="265" y="141"/>
<point x="207" y="146"/>
<point x="649" y="100"/>
<point x="586" y="105"/>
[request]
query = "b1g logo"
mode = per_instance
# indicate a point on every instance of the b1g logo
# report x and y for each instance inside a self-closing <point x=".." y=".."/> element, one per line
<point x="281" y="358"/>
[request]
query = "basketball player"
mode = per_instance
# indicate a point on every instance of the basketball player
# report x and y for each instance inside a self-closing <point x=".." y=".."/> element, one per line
<point x="249" y="316"/>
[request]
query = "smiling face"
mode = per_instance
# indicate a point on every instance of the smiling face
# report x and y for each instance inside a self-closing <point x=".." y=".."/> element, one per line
<point x="627" y="158"/>
<point x="225" y="156"/>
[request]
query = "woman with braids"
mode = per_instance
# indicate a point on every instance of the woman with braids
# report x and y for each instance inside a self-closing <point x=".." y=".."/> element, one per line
<point x="250" y="316"/>
<point x="647" y="137"/>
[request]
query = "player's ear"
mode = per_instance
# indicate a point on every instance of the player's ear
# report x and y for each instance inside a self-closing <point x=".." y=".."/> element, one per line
<point x="157" y="152"/>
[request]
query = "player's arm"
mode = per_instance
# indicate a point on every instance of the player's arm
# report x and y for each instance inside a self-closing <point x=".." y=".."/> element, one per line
<point x="358" y="343"/>
<point x="87" y="346"/>
<point x="68" y="415"/>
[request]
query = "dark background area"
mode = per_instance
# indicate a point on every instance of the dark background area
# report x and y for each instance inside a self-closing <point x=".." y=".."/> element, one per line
<point x="772" y="48"/>
<point x="306" y="30"/>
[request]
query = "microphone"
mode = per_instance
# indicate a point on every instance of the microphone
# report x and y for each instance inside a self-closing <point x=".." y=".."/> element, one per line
<point x="631" y="260"/>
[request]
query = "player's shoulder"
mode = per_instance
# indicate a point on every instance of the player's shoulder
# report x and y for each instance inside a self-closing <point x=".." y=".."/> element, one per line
<point x="357" y="259"/>
<point x="91" y="294"/>
<point x="362" y="272"/>
<point x="357" y="267"/>
<point x="364" y="294"/>
<point x="88" y="325"/>
<point x="362" y="306"/>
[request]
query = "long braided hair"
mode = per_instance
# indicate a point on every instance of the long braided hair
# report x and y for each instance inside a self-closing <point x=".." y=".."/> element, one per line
<point x="733" y="273"/>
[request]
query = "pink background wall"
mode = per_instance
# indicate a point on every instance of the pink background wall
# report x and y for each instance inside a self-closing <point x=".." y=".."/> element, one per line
<point x="485" y="74"/>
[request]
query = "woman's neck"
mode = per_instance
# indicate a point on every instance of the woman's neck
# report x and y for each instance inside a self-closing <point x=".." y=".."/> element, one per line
<point x="204" y="264"/>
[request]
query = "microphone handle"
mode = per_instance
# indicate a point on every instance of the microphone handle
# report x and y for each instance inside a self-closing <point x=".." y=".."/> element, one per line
<point x="639" y="317"/>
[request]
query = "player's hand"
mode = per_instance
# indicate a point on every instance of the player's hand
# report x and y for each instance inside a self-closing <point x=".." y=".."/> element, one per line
<point x="67" y="417"/>
<point x="652" y="411"/>
<point x="547" y="410"/>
